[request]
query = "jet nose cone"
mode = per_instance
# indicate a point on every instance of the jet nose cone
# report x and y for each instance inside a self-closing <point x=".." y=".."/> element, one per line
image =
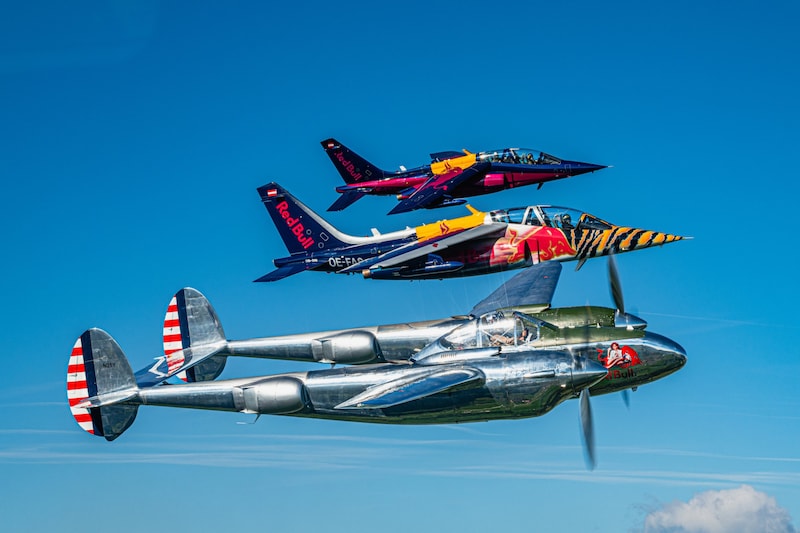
<point x="587" y="374"/>
<point x="577" y="167"/>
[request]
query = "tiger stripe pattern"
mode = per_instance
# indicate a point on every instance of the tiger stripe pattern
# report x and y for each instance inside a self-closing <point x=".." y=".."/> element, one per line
<point x="617" y="240"/>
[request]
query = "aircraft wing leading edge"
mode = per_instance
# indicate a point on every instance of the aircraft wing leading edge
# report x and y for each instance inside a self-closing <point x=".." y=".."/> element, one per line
<point x="438" y="187"/>
<point x="416" y="250"/>
<point x="406" y="390"/>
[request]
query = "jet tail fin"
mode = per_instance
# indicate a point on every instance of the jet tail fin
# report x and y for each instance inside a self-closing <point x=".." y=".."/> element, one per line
<point x="352" y="167"/>
<point x="303" y="231"/>
<point x="99" y="378"/>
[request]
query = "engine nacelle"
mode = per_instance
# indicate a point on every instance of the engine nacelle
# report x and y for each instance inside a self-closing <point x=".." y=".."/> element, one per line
<point x="349" y="348"/>
<point x="273" y="396"/>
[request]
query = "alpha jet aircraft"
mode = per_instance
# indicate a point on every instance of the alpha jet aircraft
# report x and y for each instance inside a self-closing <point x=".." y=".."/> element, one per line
<point x="480" y="243"/>
<point x="451" y="176"/>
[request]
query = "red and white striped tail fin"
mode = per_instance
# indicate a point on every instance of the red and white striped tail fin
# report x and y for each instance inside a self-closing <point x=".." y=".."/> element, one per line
<point x="175" y="340"/>
<point x="77" y="388"/>
<point x="101" y="387"/>
<point x="189" y="325"/>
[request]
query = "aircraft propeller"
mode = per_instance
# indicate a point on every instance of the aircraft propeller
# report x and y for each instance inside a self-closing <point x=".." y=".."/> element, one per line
<point x="621" y="317"/>
<point x="585" y="407"/>
<point x="587" y="428"/>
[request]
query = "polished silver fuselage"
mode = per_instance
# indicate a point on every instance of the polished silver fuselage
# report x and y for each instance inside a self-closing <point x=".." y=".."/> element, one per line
<point x="515" y="383"/>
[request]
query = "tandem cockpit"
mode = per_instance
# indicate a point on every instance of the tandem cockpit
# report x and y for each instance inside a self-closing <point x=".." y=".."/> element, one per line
<point x="517" y="156"/>
<point x="563" y="218"/>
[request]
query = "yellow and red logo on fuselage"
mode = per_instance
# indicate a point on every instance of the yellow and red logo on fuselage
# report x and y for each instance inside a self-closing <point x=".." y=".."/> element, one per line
<point x="443" y="167"/>
<point x="453" y="225"/>
<point x="543" y="243"/>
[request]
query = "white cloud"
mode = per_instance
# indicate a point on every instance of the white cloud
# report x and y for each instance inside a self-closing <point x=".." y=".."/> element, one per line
<point x="718" y="511"/>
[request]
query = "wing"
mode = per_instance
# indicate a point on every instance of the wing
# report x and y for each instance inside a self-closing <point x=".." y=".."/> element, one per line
<point x="413" y="251"/>
<point x="531" y="290"/>
<point x="439" y="186"/>
<point x="406" y="390"/>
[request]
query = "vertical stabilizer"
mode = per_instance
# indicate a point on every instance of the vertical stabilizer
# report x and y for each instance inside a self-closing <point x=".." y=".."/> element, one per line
<point x="302" y="230"/>
<point x="191" y="322"/>
<point x="352" y="167"/>
<point x="99" y="374"/>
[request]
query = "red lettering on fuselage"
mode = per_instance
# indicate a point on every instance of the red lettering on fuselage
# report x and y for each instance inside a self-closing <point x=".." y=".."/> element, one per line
<point x="295" y="225"/>
<point x="348" y="166"/>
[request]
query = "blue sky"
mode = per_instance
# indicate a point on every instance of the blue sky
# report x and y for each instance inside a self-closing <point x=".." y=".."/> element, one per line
<point x="135" y="134"/>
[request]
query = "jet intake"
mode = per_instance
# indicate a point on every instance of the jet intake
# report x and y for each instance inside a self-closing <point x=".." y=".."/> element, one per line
<point x="273" y="396"/>
<point x="349" y="348"/>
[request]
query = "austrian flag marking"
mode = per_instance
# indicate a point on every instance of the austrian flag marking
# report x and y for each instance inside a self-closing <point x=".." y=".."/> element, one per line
<point x="272" y="193"/>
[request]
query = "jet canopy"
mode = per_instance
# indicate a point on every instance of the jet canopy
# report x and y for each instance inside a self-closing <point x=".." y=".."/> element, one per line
<point x="563" y="218"/>
<point x="517" y="156"/>
<point x="491" y="329"/>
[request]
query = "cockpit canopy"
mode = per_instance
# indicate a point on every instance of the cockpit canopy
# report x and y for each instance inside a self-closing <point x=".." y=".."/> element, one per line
<point x="491" y="329"/>
<point x="518" y="156"/>
<point x="563" y="218"/>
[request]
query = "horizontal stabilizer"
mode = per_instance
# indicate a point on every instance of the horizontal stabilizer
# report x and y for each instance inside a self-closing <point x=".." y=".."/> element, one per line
<point x="283" y="272"/>
<point x="531" y="290"/>
<point x="345" y="200"/>
<point x="193" y="356"/>
<point x="405" y="390"/>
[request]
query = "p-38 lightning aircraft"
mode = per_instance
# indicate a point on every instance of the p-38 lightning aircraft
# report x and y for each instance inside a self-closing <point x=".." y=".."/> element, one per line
<point x="449" y="178"/>
<point x="480" y="243"/>
<point x="501" y="363"/>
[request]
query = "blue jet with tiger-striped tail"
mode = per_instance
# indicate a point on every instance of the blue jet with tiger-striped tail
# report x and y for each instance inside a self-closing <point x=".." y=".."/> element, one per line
<point x="479" y="243"/>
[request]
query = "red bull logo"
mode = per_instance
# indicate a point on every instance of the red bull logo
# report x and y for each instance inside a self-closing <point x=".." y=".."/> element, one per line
<point x="348" y="166"/>
<point x="306" y="241"/>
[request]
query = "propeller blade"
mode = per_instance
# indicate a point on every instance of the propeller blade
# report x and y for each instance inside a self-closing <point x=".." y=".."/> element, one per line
<point x="626" y="397"/>
<point x="587" y="428"/>
<point x="616" y="286"/>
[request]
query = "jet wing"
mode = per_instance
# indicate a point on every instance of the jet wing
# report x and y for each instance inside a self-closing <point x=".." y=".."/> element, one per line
<point x="531" y="290"/>
<point x="407" y="389"/>
<point x="439" y="186"/>
<point x="419" y="249"/>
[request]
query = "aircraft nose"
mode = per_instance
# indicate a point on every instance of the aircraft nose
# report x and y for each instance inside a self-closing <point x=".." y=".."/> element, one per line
<point x="672" y="356"/>
<point x="587" y="374"/>
<point x="578" y="167"/>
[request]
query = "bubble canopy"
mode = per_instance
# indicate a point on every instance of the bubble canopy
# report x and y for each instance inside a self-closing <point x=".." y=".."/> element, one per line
<point x="551" y="216"/>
